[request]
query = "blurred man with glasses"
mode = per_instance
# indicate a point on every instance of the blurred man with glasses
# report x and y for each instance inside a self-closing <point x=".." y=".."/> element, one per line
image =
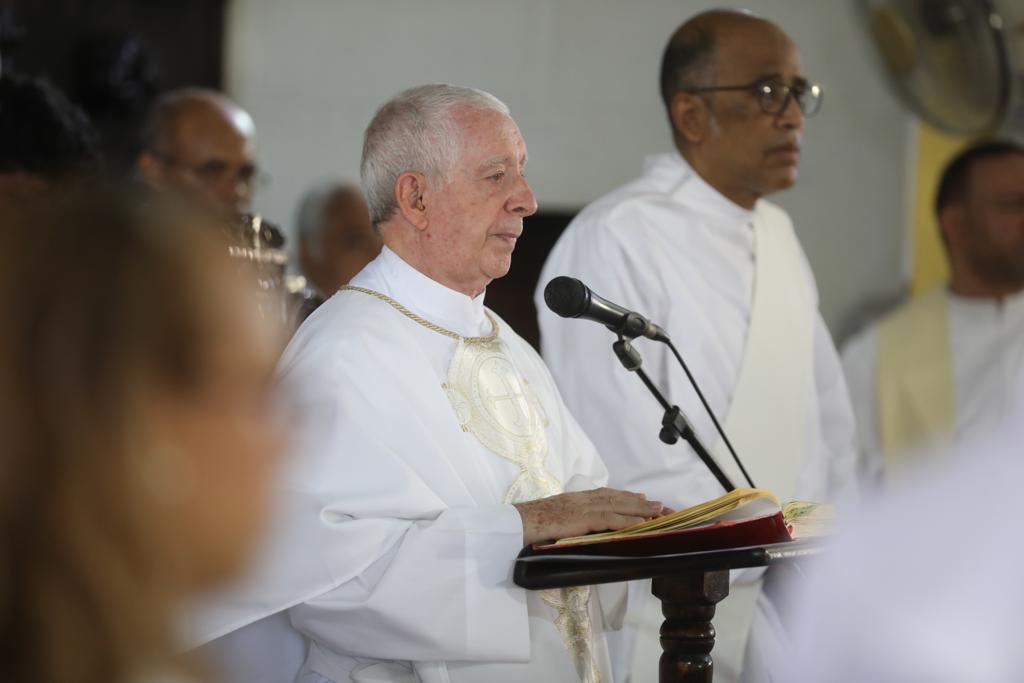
<point x="694" y="245"/>
<point x="202" y="144"/>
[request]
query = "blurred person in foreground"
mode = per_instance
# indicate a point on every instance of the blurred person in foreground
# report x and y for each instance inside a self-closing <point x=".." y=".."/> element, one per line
<point x="45" y="140"/>
<point x="335" y="236"/>
<point x="925" y="585"/>
<point x="138" y="447"/>
<point x="696" y="245"/>
<point x="431" y="442"/>
<point x="941" y="367"/>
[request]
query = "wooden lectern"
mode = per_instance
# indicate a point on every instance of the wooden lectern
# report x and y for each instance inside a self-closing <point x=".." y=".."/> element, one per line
<point x="689" y="586"/>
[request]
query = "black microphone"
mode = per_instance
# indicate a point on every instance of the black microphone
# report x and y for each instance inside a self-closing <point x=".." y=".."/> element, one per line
<point x="570" y="298"/>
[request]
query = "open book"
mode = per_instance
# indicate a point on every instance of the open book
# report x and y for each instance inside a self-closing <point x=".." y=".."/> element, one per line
<point x="742" y="517"/>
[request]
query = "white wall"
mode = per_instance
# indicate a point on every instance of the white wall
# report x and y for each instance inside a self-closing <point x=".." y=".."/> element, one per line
<point x="581" y="79"/>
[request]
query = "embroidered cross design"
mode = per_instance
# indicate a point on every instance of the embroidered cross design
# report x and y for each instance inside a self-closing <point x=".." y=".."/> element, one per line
<point x="513" y="392"/>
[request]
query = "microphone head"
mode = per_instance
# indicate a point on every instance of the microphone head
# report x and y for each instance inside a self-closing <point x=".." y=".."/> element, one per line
<point x="566" y="296"/>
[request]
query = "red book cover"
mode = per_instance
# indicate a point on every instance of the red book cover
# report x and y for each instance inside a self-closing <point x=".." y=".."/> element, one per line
<point x="716" y="536"/>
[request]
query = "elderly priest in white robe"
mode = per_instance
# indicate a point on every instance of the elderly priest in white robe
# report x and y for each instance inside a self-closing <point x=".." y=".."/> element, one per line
<point x="431" y="442"/>
<point x="693" y="245"/>
<point x="941" y="368"/>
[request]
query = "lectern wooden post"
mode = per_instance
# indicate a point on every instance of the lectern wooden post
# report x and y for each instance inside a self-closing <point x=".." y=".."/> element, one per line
<point x="689" y="586"/>
<point x="687" y="636"/>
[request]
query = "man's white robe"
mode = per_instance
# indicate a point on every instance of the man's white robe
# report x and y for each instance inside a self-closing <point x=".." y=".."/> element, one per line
<point x="985" y="356"/>
<point x="394" y="552"/>
<point x="674" y="249"/>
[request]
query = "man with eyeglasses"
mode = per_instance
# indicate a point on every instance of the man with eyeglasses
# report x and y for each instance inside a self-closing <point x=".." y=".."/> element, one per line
<point x="200" y="143"/>
<point x="694" y="245"/>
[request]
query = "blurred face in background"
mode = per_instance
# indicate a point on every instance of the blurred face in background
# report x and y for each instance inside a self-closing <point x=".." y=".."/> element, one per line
<point x="207" y="152"/>
<point x="990" y="231"/>
<point x="346" y="242"/>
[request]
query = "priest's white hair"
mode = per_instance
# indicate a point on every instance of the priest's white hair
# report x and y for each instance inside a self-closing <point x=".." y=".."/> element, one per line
<point x="414" y="131"/>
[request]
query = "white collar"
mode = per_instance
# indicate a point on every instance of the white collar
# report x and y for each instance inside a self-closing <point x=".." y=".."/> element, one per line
<point x="724" y="220"/>
<point x="391" y="275"/>
<point x="691" y="189"/>
<point x="1012" y="305"/>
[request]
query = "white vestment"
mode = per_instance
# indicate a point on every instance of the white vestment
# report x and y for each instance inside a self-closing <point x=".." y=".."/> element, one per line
<point x="925" y="585"/>
<point x="674" y="249"/>
<point x="983" y="356"/>
<point x="394" y="551"/>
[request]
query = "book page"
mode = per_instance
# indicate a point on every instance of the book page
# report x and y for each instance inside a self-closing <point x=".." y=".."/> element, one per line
<point x="743" y="503"/>
<point x="808" y="520"/>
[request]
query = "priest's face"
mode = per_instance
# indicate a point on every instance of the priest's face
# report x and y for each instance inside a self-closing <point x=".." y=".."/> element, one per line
<point x="992" y="240"/>
<point x="749" y="153"/>
<point x="476" y="217"/>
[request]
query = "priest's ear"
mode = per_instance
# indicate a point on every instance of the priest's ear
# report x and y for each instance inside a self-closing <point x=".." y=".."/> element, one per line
<point x="691" y="117"/>
<point x="410" y="191"/>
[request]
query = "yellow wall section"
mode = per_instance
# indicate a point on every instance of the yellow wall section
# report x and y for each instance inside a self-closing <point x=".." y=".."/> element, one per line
<point x="934" y="151"/>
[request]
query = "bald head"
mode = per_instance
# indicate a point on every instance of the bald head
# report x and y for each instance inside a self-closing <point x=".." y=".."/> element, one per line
<point x="728" y="81"/>
<point x="182" y="116"/>
<point x="201" y="143"/>
<point x="705" y="43"/>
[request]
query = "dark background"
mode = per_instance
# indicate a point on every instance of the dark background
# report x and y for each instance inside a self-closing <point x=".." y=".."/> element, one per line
<point x="511" y="297"/>
<point x="112" y="57"/>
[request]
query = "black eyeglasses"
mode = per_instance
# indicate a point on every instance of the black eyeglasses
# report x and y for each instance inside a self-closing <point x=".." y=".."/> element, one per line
<point x="248" y="178"/>
<point x="774" y="95"/>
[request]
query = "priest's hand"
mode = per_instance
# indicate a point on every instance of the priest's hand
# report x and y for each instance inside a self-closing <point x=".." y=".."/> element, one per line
<point x="575" y="514"/>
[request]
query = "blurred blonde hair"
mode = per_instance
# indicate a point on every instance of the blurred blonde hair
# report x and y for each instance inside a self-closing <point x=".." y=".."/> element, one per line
<point x="101" y="310"/>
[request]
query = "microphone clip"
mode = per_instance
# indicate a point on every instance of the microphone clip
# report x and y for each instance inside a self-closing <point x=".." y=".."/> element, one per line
<point x="627" y="355"/>
<point x="634" y="325"/>
<point x="675" y="425"/>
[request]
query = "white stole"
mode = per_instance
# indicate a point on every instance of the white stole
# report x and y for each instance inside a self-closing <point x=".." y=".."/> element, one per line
<point x="767" y="416"/>
<point x="766" y="422"/>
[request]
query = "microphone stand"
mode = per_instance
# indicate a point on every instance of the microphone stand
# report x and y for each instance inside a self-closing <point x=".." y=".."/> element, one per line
<point x="707" y="408"/>
<point x="674" y="424"/>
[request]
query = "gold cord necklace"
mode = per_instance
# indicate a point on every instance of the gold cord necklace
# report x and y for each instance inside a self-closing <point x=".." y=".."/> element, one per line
<point x="426" y="323"/>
